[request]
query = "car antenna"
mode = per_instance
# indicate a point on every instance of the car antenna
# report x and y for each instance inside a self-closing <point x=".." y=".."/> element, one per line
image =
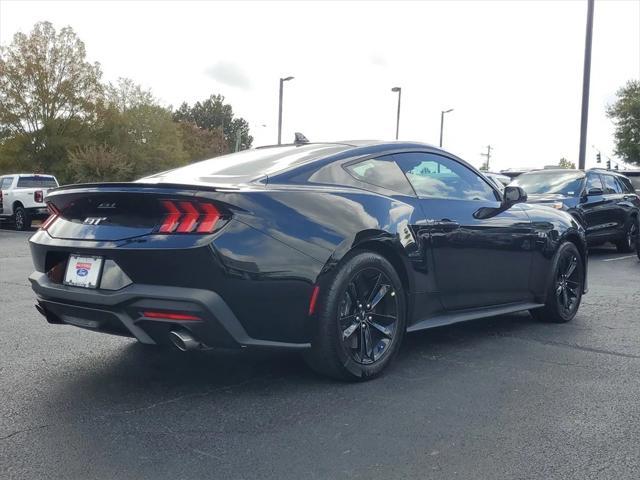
<point x="300" y="139"/>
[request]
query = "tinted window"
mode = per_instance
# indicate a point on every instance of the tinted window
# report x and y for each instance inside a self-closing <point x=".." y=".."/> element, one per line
<point x="593" y="181"/>
<point x="625" y="184"/>
<point x="434" y="176"/>
<point x="6" y="182"/>
<point x="610" y="184"/>
<point x="635" y="181"/>
<point x="36" y="182"/>
<point x="382" y="172"/>
<point x="558" y="182"/>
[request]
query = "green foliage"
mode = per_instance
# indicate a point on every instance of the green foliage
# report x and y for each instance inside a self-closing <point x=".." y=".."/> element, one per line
<point x="200" y="144"/>
<point x="56" y="117"/>
<point x="48" y="90"/>
<point x="485" y="166"/>
<point x="212" y="114"/>
<point x="625" y="113"/>
<point x="564" y="163"/>
<point x="99" y="163"/>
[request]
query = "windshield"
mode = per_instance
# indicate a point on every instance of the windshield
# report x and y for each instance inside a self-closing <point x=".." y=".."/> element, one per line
<point x="564" y="183"/>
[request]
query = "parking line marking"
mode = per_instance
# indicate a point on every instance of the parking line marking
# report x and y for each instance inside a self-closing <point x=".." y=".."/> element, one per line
<point x="618" y="258"/>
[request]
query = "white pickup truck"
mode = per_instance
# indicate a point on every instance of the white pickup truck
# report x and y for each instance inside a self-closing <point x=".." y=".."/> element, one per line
<point x="22" y="197"/>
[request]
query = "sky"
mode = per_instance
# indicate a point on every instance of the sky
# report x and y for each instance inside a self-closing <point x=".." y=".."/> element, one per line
<point x="510" y="69"/>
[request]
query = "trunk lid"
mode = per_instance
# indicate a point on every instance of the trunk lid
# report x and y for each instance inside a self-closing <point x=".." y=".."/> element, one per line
<point x="121" y="211"/>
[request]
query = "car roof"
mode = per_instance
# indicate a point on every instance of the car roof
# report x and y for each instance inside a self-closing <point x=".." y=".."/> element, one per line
<point x="252" y="165"/>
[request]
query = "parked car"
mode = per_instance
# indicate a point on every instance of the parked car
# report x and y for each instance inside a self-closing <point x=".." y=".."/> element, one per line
<point x="500" y="180"/>
<point x="603" y="201"/>
<point x="22" y="198"/>
<point x="332" y="249"/>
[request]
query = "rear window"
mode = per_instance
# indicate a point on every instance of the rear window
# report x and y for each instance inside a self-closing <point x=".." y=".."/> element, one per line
<point x="383" y="173"/>
<point x="246" y="165"/>
<point x="635" y="181"/>
<point x="37" y="181"/>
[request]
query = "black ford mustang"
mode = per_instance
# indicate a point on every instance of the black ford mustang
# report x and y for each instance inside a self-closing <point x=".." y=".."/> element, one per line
<point x="334" y="249"/>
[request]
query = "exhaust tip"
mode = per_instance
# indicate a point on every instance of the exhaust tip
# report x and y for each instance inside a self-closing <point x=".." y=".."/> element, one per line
<point x="183" y="340"/>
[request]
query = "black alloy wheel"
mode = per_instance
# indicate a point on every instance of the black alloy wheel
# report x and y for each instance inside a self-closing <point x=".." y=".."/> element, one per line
<point x="360" y="319"/>
<point x="565" y="291"/>
<point x="368" y="316"/>
<point x="568" y="284"/>
<point x="628" y="243"/>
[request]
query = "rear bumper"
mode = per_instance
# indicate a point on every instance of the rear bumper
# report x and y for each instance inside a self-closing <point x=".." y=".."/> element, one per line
<point x="121" y="313"/>
<point x="38" y="212"/>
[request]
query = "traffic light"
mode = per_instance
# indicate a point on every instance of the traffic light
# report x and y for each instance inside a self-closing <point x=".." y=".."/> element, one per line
<point x="608" y="164"/>
<point x="598" y="158"/>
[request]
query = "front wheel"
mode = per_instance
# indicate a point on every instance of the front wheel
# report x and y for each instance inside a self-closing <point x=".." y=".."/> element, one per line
<point x="565" y="293"/>
<point x="22" y="219"/>
<point x="360" y="320"/>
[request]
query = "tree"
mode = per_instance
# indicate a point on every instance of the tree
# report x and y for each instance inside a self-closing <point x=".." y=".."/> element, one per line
<point x="200" y="144"/>
<point x="485" y="166"/>
<point x="126" y="94"/>
<point x="625" y="113"/>
<point x="212" y="114"/>
<point x="99" y="163"/>
<point x="564" y="163"/>
<point x="48" y="91"/>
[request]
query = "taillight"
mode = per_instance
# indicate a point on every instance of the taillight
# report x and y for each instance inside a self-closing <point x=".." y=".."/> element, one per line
<point x="54" y="214"/>
<point x="170" y="316"/>
<point x="188" y="217"/>
<point x="38" y="197"/>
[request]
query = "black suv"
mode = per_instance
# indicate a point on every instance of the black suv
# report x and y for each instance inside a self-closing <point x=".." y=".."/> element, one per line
<point x="603" y="201"/>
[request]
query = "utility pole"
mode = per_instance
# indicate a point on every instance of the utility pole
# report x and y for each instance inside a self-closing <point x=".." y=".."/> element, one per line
<point x="585" y="86"/>
<point x="399" y="91"/>
<point x="488" y="155"/>
<point x="442" y="112"/>
<point x="282" y="80"/>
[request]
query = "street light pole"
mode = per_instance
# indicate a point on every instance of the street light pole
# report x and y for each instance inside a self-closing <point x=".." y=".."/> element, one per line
<point x="282" y="80"/>
<point x="585" y="87"/>
<point x="442" y="112"/>
<point x="399" y="90"/>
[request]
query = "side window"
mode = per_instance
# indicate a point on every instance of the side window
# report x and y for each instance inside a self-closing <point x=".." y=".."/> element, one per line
<point x="593" y="181"/>
<point x="6" y="183"/>
<point x="435" y="176"/>
<point x="610" y="184"/>
<point x="625" y="184"/>
<point x="381" y="172"/>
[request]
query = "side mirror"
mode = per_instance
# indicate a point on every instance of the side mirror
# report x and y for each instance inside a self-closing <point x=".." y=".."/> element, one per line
<point x="513" y="195"/>
<point x="594" y="192"/>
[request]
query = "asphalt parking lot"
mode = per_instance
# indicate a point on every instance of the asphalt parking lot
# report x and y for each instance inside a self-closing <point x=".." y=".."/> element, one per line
<point x="501" y="398"/>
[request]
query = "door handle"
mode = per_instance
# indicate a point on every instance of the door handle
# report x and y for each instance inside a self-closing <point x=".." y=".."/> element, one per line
<point x="446" y="224"/>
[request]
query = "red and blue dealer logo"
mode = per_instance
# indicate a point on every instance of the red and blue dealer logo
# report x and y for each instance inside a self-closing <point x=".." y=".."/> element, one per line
<point x="82" y="269"/>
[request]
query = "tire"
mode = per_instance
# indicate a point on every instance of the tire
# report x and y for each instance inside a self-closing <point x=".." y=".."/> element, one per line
<point x="22" y="219"/>
<point x="628" y="243"/>
<point x="567" y="284"/>
<point x="355" y="340"/>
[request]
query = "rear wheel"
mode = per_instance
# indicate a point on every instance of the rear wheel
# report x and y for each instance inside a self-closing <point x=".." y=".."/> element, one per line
<point x="22" y="219"/>
<point x="565" y="293"/>
<point x="628" y="243"/>
<point x="361" y="320"/>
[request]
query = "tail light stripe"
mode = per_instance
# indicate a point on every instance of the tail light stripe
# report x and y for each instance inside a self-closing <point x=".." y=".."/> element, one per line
<point x="172" y="220"/>
<point x="188" y="217"/>
<point x="210" y="219"/>
<point x="188" y="222"/>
